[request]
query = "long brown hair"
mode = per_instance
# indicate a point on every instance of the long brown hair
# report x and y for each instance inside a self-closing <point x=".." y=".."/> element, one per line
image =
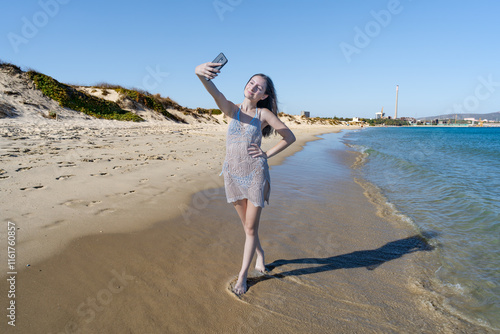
<point x="271" y="102"/>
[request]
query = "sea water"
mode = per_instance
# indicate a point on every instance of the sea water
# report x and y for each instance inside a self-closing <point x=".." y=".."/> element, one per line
<point x="445" y="180"/>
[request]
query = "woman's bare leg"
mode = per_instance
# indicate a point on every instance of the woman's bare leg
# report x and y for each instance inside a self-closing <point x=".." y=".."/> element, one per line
<point x="250" y="217"/>
<point x="260" y="263"/>
<point x="241" y="208"/>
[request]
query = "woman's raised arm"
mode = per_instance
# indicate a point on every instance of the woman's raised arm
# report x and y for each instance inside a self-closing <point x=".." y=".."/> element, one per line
<point x="207" y="70"/>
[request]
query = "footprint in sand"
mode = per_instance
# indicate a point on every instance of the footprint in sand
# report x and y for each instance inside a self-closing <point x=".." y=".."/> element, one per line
<point x="78" y="203"/>
<point x="66" y="164"/>
<point x="105" y="211"/>
<point x="99" y="174"/>
<point x="28" y="215"/>
<point x="31" y="188"/>
<point x="53" y="224"/>
<point x="254" y="278"/>
<point x="64" y="177"/>
<point x="23" y="169"/>
<point x="2" y="176"/>
<point x="128" y="193"/>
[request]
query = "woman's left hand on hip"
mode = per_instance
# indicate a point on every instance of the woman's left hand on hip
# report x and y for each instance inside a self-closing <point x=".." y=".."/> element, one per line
<point x="255" y="151"/>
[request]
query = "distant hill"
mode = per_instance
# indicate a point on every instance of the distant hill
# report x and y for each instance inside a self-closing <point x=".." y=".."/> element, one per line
<point x="494" y="116"/>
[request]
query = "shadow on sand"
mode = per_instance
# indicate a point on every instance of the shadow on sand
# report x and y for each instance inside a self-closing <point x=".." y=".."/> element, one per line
<point x="370" y="259"/>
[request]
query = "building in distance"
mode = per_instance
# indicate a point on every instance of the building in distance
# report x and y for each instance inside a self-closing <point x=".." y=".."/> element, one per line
<point x="380" y="114"/>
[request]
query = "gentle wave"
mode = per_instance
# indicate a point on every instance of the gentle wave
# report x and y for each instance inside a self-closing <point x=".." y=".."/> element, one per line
<point x="446" y="180"/>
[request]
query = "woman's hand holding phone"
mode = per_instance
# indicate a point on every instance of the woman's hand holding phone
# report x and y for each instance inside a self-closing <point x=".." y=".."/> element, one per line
<point x="207" y="70"/>
<point x="210" y="70"/>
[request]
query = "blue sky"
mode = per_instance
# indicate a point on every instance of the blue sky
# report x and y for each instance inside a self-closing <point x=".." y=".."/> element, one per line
<point x="332" y="58"/>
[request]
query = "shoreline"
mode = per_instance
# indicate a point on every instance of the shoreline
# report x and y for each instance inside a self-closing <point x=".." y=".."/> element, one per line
<point x="438" y="294"/>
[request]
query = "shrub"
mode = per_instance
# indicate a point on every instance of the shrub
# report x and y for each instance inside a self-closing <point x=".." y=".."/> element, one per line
<point x="152" y="102"/>
<point x="208" y="111"/>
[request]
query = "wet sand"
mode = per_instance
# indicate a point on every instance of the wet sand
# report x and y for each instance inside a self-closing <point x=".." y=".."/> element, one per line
<point x="336" y="265"/>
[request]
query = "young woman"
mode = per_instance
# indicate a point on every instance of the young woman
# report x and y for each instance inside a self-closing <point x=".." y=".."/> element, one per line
<point x="246" y="172"/>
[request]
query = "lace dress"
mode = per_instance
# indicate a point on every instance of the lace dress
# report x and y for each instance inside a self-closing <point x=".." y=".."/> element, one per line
<point x="245" y="176"/>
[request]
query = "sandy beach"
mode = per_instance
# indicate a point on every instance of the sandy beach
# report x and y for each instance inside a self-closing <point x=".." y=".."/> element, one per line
<point x="124" y="228"/>
<point x="61" y="181"/>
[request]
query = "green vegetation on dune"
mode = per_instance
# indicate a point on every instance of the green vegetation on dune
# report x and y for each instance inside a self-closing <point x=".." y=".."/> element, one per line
<point x="71" y="98"/>
<point x="149" y="101"/>
<point x="169" y="103"/>
<point x="161" y="104"/>
<point x="208" y="111"/>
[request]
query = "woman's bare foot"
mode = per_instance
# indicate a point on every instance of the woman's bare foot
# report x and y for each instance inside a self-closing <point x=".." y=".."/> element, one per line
<point x="260" y="262"/>
<point x="241" y="286"/>
<point x="260" y="267"/>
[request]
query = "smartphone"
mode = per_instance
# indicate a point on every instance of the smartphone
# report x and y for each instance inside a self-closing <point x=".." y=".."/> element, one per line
<point x="221" y="59"/>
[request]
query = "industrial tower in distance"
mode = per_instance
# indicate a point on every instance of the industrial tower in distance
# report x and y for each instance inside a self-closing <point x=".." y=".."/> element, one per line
<point x="396" y="113"/>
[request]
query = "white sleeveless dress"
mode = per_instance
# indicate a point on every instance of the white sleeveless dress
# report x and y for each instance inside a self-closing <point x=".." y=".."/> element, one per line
<point x="245" y="176"/>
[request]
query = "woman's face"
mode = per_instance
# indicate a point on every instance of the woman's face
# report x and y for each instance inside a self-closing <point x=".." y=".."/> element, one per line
<point x="256" y="88"/>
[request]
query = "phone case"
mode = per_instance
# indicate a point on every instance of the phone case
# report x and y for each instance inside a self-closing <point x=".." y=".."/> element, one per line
<point x="220" y="59"/>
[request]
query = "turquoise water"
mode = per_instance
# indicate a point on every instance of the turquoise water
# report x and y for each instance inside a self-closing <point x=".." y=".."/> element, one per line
<point x="446" y="180"/>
